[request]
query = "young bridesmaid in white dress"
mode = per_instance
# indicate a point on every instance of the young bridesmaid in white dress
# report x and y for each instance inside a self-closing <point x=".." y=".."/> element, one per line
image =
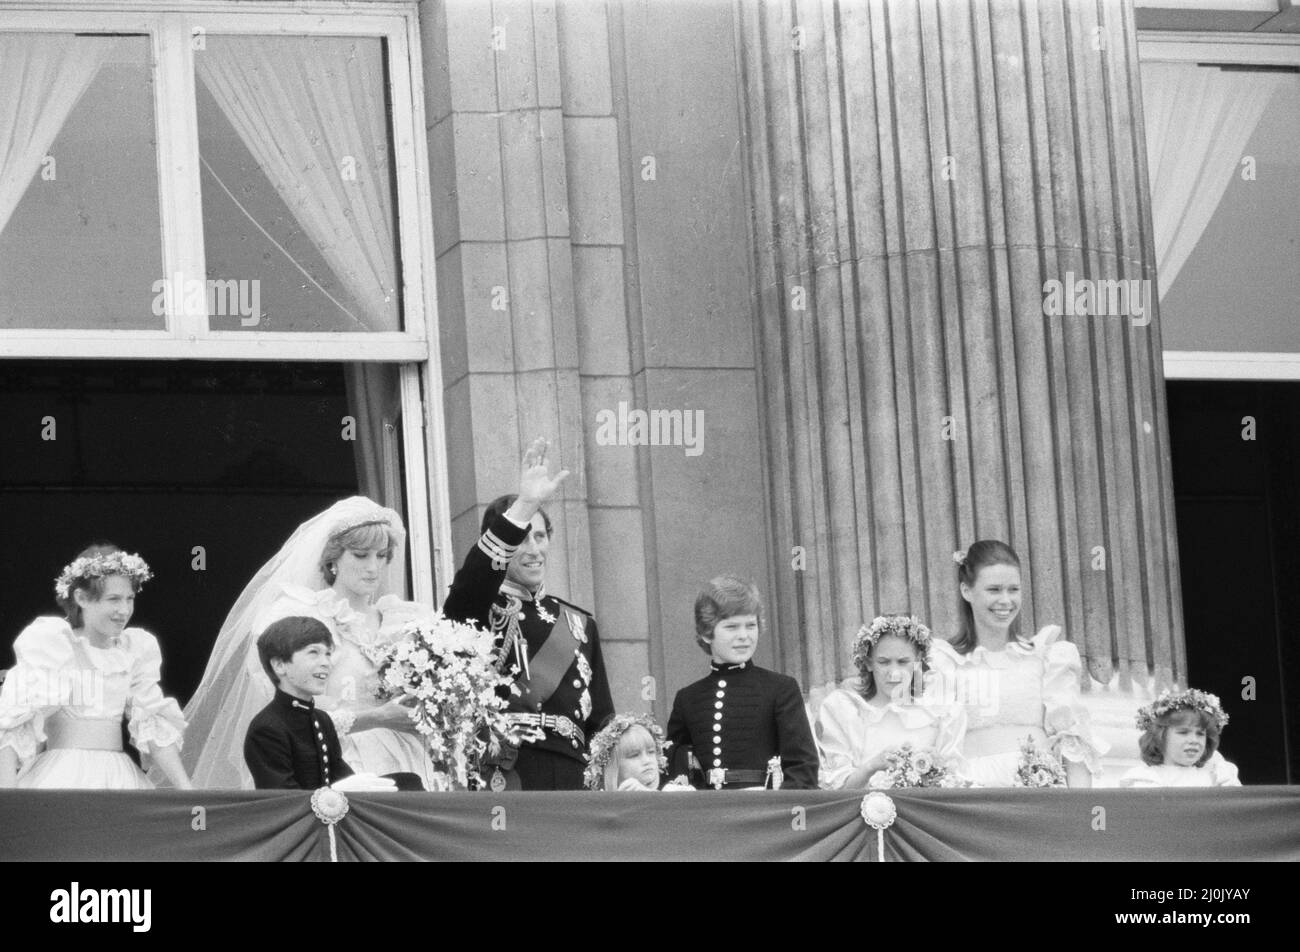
<point x="1012" y="688"/>
<point x="76" y="678"/>
<point x="857" y="728"/>
<point x="336" y="568"/>
<point x="627" y="756"/>
<point x="1180" y="743"/>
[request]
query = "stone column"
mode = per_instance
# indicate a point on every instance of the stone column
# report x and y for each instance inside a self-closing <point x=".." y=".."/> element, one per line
<point x="505" y="272"/>
<point x="527" y="209"/>
<point x="586" y="157"/>
<point x="919" y="172"/>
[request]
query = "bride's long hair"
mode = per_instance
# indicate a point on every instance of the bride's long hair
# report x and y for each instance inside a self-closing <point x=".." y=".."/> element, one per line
<point x="234" y="686"/>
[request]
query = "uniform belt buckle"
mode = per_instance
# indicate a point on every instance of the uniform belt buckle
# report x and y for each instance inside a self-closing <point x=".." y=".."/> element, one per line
<point x="717" y="777"/>
<point x="567" y="728"/>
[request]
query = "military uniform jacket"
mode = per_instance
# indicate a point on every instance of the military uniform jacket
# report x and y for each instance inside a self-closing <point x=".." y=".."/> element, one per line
<point x="292" y="745"/>
<point x="524" y="621"/>
<point x="739" y="718"/>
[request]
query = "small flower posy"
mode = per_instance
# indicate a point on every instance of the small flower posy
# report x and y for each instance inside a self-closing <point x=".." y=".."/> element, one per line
<point x="604" y="746"/>
<point x="908" y="766"/>
<point x="901" y="626"/>
<point x="1191" y="700"/>
<point x="1038" y="767"/>
<point x="102" y="566"/>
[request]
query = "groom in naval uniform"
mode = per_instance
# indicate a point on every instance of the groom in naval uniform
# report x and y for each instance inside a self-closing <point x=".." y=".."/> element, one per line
<point x="553" y="643"/>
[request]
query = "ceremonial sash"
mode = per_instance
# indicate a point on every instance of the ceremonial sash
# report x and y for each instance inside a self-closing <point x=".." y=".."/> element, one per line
<point x="546" y="669"/>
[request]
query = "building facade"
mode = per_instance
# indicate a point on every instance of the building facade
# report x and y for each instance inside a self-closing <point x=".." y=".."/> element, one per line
<point x="813" y="293"/>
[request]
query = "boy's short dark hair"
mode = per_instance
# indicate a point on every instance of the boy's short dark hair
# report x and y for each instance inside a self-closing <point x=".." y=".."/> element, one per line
<point x="499" y="505"/>
<point x="725" y="597"/>
<point x="283" y="638"/>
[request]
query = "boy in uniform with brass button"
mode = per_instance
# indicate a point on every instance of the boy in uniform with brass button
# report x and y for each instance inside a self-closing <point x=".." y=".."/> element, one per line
<point x="291" y="744"/>
<point x="746" y="726"/>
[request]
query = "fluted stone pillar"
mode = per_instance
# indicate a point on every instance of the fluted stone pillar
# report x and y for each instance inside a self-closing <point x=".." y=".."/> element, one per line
<point x="919" y="171"/>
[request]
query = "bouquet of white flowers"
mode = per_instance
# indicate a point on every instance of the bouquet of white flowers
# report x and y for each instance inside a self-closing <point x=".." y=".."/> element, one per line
<point x="906" y="766"/>
<point x="1038" y="767"/>
<point x="447" y="668"/>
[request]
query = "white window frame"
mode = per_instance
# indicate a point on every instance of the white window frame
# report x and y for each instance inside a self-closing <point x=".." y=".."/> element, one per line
<point x="170" y="26"/>
<point x="1256" y="49"/>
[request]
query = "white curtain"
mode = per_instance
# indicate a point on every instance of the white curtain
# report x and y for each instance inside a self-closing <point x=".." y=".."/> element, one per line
<point x="42" y="78"/>
<point x="375" y="399"/>
<point x="1198" y="121"/>
<point x="312" y="113"/>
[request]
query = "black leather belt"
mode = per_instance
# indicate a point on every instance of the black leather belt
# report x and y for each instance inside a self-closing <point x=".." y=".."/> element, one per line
<point x="721" y="776"/>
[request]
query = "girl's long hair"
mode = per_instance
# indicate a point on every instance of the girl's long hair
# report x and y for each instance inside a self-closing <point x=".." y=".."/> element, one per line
<point x="984" y="553"/>
<point x="628" y="744"/>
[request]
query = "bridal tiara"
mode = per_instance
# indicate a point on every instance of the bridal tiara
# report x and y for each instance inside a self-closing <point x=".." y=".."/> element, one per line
<point x="345" y="527"/>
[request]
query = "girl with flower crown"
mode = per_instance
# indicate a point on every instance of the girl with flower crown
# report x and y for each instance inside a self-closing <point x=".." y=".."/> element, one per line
<point x="627" y="755"/>
<point x="337" y="568"/>
<point x="1180" y="743"/>
<point x="62" y="705"/>
<point x="857" y="728"/>
<point x="1014" y="690"/>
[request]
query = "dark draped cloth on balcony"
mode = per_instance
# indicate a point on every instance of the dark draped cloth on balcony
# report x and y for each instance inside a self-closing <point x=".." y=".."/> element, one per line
<point x="1247" y="823"/>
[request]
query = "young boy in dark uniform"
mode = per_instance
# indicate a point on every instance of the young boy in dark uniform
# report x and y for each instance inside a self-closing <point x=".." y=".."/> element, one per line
<point x="740" y="717"/>
<point x="290" y="744"/>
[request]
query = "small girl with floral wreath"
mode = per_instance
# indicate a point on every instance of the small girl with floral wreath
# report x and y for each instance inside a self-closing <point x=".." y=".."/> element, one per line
<point x="886" y="712"/>
<point x="1180" y="743"/>
<point x="627" y="754"/>
<point x="77" y="678"/>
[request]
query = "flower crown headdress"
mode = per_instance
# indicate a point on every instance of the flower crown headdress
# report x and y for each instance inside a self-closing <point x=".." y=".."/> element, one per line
<point x="901" y="626"/>
<point x="1148" y="718"/>
<point x="605" y="745"/>
<point x="101" y="566"/>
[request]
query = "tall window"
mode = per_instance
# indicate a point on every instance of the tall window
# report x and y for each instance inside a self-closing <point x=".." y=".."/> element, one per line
<point x="232" y="184"/>
<point x="202" y="184"/>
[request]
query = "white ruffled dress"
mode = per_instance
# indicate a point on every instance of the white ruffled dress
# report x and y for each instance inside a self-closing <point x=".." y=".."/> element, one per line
<point x="1024" y="690"/>
<point x="354" y="680"/>
<point x="851" y="730"/>
<point x="62" y="704"/>
<point x="1215" y="772"/>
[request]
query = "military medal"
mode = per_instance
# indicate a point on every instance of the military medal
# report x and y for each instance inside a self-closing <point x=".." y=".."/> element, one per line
<point x="584" y="703"/>
<point x="578" y="625"/>
<point x="584" y="669"/>
<point x="543" y="614"/>
<point x="498" y="781"/>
